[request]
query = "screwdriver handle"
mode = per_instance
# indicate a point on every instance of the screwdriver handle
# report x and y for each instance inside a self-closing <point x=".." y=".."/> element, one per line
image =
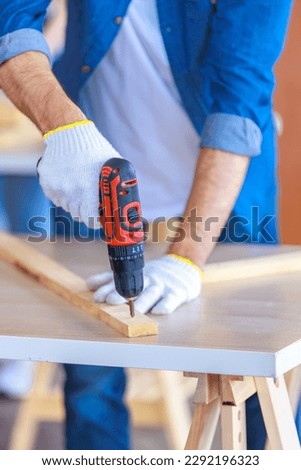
<point x="120" y="215"/>
<point x="119" y="203"/>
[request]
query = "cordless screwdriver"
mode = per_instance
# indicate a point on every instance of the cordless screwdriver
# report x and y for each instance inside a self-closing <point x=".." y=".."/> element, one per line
<point x="120" y="215"/>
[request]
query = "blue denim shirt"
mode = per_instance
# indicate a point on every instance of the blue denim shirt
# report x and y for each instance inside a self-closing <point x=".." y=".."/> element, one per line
<point x="221" y="54"/>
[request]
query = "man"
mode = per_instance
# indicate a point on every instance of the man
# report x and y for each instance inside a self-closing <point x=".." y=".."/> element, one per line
<point x="183" y="89"/>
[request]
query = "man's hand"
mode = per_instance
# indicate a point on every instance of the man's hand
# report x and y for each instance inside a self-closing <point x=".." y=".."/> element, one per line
<point x="74" y="154"/>
<point x="218" y="179"/>
<point x="69" y="169"/>
<point x="168" y="283"/>
<point x="173" y="279"/>
<point x="29" y="83"/>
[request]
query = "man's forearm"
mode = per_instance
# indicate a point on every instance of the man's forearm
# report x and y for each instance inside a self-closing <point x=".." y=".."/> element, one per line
<point x="218" y="179"/>
<point x="28" y="81"/>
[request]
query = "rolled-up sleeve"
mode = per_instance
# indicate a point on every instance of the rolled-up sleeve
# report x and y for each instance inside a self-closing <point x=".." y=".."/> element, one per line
<point x="245" y="40"/>
<point x="21" y="26"/>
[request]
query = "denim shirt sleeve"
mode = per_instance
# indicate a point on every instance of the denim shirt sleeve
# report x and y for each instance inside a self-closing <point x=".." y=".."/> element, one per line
<point x="21" y="25"/>
<point x="245" y="40"/>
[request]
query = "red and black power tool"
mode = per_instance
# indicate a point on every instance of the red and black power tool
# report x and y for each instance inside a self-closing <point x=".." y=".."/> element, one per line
<point x="120" y="215"/>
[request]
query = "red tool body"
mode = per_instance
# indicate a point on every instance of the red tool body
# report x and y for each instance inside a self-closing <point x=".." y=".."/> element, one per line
<point x="121" y="218"/>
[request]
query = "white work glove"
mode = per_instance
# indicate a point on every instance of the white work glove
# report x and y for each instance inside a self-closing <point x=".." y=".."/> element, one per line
<point x="69" y="169"/>
<point x="168" y="283"/>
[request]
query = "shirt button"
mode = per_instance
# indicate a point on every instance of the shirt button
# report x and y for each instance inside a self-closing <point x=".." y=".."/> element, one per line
<point x="86" y="69"/>
<point x="168" y="29"/>
<point x="118" y="19"/>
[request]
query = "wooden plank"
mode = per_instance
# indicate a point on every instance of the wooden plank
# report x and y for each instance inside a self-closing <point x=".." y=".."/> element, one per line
<point x="293" y="384"/>
<point x="204" y="422"/>
<point x="236" y="391"/>
<point x="71" y="287"/>
<point x="242" y="264"/>
<point x="282" y="263"/>
<point x="233" y="423"/>
<point x="277" y="413"/>
<point x="176" y="408"/>
<point x="207" y="389"/>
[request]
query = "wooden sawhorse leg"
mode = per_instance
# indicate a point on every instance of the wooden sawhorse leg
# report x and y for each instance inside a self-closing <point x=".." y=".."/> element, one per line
<point x="226" y="395"/>
<point x="233" y="424"/>
<point x="206" y="413"/>
<point x="293" y="383"/>
<point x="204" y="423"/>
<point x="277" y="413"/>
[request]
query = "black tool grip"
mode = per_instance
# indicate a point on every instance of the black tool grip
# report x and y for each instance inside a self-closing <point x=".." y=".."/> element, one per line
<point x="127" y="263"/>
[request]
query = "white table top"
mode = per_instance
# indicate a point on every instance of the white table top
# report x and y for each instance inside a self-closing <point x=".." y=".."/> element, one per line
<point x="247" y="327"/>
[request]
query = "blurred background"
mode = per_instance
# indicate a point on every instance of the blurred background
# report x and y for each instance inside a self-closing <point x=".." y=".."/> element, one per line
<point x="288" y="104"/>
<point x="20" y="196"/>
<point x="21" y="146"/>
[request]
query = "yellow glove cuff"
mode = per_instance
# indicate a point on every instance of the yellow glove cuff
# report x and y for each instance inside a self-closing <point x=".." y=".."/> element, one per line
<point x="67" y="126"/>
<point x="188" y="261"/>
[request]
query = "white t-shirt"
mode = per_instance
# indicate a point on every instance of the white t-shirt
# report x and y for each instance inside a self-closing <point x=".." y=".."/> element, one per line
<point x="134" y="102"/>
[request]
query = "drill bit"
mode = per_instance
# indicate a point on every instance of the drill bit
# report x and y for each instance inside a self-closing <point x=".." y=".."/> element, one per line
<point x="132" y="307"/>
